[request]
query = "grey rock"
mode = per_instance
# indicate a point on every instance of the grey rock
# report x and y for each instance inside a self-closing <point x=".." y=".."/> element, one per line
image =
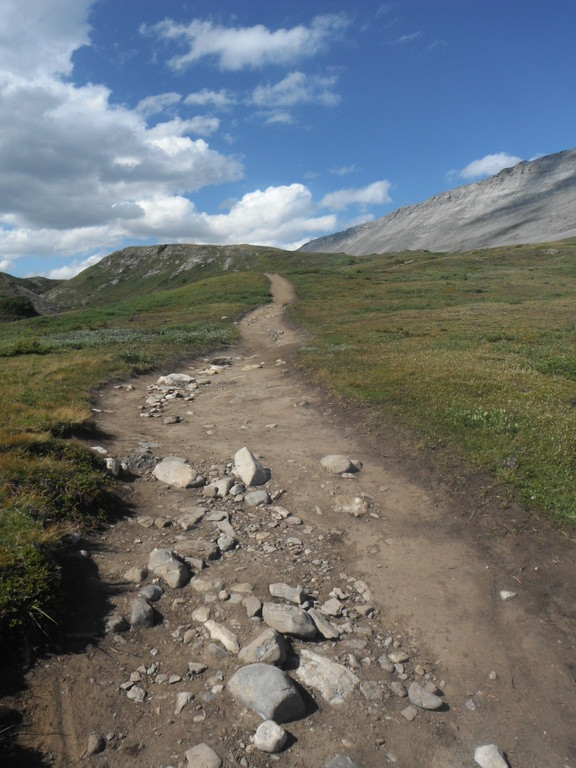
<point x="225" y="543"/>
<point x="289" y="619"/>
<point x="255" y="498"/>
<point x="136" y="694"/>
<point x="141" y="613"/>
<point x="385" y="663"/>
<point x="340" y="761"/>
<point x="334" y="681"/>
<point x="337" y="464"/>
<point x="248" y="469"/>
<point x="152" y="592"/>
<point x="489" y="756"/>
<point x="352" y="505"/>
<point x="222" y="635"/>
<point x="163" y="564"/>
<point x="268" y="691"/>
<point x="270" y="737"/>
<point x="269" y="648"/>
<point x="136" y="575"/>
<point x="113" y="466"/>
<point x="175" y="380"/>
<point x="253" y="606"/>
<point x="325" y="627"/>
<point x="332" y="607"/>
<point x="140" y="463"/>
<point x="398" y="689"/>
<point x="286" y="592"/>
<point x="177" y="473"/>
<point x="182" y="700"/>
<point x="202" y="756"/>
<point x="191" y="518"/>
<point x="422" y="698"/>
<point x="116" y="623"/>
<point x="96" y="744"/>
<point x="410" y="713"/>
<point x="371" y="690"/>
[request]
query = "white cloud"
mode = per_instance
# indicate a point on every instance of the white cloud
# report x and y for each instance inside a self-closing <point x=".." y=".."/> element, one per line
<point x="344" y="170"/>
<point x="408" y="38"/>
<point x="376" y="193"/>
<point x="489" y="165"/>
<point x="154" y="105"/>
<point x="219" y="99"/>
<point x="236" y="48"/>
<point x="73" y="268"/>
<point x="297" y="88"/>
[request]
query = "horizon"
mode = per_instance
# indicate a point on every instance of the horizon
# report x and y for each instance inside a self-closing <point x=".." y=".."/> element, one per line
<point x="140" y="124"/>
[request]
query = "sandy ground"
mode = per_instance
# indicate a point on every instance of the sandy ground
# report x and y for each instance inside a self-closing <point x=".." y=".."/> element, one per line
<point x="434" y="551"/>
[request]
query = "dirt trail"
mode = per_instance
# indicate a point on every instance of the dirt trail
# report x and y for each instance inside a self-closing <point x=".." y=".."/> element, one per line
<point x="436" y="581"/>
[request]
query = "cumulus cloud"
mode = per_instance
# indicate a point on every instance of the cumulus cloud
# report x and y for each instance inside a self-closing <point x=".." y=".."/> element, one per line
<point x="297" y="88"/>
<point x="488" y="165"/>
<point x="206" y="97"/>
<point x="376" y="193"/>
<point x="154" y="105"/>
<point x="236" y="48"/>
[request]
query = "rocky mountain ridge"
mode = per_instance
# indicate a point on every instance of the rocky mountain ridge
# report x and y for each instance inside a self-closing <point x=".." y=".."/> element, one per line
<point x="532" y="202"/>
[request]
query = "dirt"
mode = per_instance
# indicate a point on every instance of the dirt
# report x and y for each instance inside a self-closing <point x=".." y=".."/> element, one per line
<point x="434" y="551"/>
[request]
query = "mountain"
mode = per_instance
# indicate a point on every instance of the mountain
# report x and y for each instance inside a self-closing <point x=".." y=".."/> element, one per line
<point x="24" y="296"/>
<point x="532" y="202"/>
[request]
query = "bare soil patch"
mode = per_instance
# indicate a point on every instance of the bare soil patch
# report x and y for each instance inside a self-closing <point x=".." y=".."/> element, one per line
<point x="434" y="553"/>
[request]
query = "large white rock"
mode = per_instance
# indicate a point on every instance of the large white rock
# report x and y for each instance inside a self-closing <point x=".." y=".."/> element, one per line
<point x="249" y="469"/>
<point x="334" y="681"/>
<point x="177" y="473"/>
<point x="489" y="756"/>
<point x="163" y="564"/>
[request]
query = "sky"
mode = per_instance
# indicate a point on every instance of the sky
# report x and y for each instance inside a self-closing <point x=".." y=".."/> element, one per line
<point x="131" y="122"/>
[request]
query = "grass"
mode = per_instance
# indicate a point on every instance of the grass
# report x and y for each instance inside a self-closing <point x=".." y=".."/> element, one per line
<point x="475" y="350"/>
<point x="49" y="368"/>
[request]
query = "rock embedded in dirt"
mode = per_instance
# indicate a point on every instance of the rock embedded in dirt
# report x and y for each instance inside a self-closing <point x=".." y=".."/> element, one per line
<point x="410" y="713"/>
<point x="136" y="575"/>
<point x="248" y="469"/>
<point x="423" y="698"/>
<point x="268" y="691"/>
<point x="191" y="518"/>
<point x="270" y="737"/>
<point x="141" y="613"/>
<point x="96" y="744"/>
<point x="506" y="595"/>
<point x="340" y="761"/>
<point x="337" y="464"/>
<point x="489" y="756"/>
<point x="269" y="648"/>
<point x="202" y="756"/>
<point x="334" y="681"/>
<point x="177" y="473"/>
<point x="182" y="700"/>
<point x="289" y="620"/>
<point x="163" y="564"/>
<point x="351" y="505"/>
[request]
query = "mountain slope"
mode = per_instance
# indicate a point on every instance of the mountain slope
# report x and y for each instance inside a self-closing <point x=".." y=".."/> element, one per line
<point x="532" y="202"/>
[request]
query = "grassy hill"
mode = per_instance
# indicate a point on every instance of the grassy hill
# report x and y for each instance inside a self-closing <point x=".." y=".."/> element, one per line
<point x="475" y="351"/>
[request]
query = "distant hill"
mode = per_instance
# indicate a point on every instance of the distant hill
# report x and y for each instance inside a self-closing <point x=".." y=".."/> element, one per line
<point x="24" y="296"/>
<point x="533" y="202"/>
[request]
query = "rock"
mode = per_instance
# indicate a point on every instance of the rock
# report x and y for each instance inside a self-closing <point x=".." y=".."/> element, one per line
<point x="332" y="607"/>
<point x="269" y="648"/>
<point x="203" y="586"/>
<point x="286" y="592"/>
<point x="248" y="469"/>
<point x="140" y="463"/>
<point x="113" y="466"/>
<point x="268" y="691"/>
<point x="175" y="380"/>
<point x="141" y="613"/>
<point x="191" y="518"/>
<point x="489" y="756"/>
<point x="96" y="744"/>
<point x="422" y="698"/>
<point x="270" y="737"/>
<point x="222" y="486"/>
<point x="225" y="543"/>
<point x="152" y="592"/>
<point x="385" y="663"/>
<point x="340" y="761"/>
<point x="254" y="498"/>
<point x="334" y="681"/>
<point x="398" y="657"/>
<point x="505" y="595"/>
<point x="198" y="548"/>
<point x="116" y="623"/>
<point x="196" y="668"/>
<point x="289" y="619"/>
<point x="172" y="420"/>
<point x="136" y="575"/>
<point x="410" y="713"/>
<point x="398" y="689"/>
<point x="163" y="564"/>
<point x="136" y="694"/>
<point x="337" y="464"/>
<point x="177" y="473"/>
<point x="202" y="756"/>
<point x="326" y="628"/>
<point x="222" y="635"/>
<point x="182" y="699"/>
<point x="352" y="505"/>
<point x="371" y="690"/>
<point x="253" y="606"/>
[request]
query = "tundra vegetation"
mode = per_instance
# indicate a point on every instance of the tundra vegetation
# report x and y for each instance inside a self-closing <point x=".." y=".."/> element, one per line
<point x="474" y="352"/>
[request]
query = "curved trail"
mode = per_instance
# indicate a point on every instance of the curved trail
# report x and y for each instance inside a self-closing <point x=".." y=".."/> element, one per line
<point x="433" y="588"/>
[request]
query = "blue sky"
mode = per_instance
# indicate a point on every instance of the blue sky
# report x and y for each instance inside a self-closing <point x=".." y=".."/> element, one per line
<point x="129" y="122"/>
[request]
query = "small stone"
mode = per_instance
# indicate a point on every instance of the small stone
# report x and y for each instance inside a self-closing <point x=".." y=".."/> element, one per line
<point x="253" y="606"/>
<point x="334" y="681"/>
<point x="489" y="756"/>
<point x="116" y="623"/>
<point x="255" y="498"/>
<point x="340" y="761"/>
<point x="337" y="464"/>
<point x="136" y="694"/>
<point x="222" y="635"/>
<point x="385" y="663"/>
<point x="182" y="699"/>
<point x="422" y="698"/>
<point x="410" y="713"/>
<point x="96" y="744"/>
<point x="202" y="756"/>
<point x="505" y="595"/>
<point x="286" y="592"/>
<point x="332" y="607"/>
<point x="398" y="657"/>
<point x="398" y="689"/>
<point x="270" y="737"/>
<point x="325" y="627"/>
<point x="196" y="668"/>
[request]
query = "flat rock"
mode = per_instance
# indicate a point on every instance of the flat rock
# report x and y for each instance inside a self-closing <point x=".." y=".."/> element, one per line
<point x="422" y="698"/>
<point x="191" y="518"/>
<point x="163" y="564"/>
<point x="268" y="691"/>
<point x="202" y="756"/>
<point x="334" y="681"/>
<point x="325" y="627"/>
<point x="269" y="648"/>
<point x="270" y="737"/>
<point x="222" y="635"/>
<point x="254" y="498"/>
<point x="489" y="756"/>
<point x="176" y="473"/>
<point x="248" y="469"/>
<point x="289" y="619"/>
<point x="286" y="592"/>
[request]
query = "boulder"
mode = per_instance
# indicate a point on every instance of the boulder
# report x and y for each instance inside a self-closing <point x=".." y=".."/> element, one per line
<point x="268" y="691"/>
<point x="248" y="469"/>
